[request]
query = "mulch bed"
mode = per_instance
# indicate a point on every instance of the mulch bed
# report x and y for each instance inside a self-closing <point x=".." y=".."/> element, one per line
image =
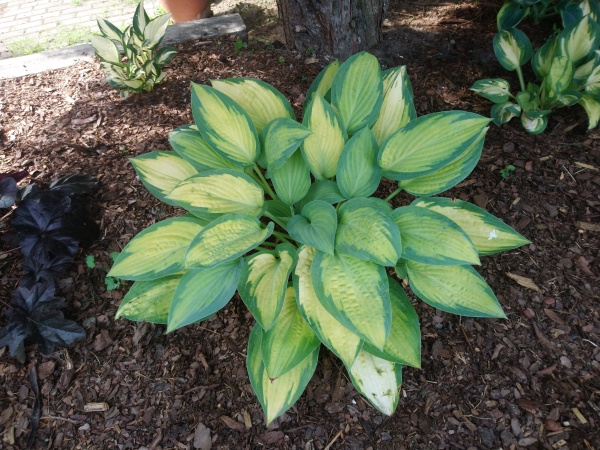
<point x="529" y="381"/>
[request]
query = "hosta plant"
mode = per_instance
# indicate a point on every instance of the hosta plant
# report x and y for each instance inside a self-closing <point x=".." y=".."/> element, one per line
<point x="567" y="68"/>
<point x="283" y="212"/>
<point x="514" y="11"/>
<point x="142" y="69"/>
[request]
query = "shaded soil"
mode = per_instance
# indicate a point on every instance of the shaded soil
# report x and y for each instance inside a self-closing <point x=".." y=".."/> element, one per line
<point x="529" y="381"/>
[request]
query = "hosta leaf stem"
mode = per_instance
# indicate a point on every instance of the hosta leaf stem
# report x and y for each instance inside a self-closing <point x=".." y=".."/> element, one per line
<point x="282" y="236"/>
<point x="393" y="194"/>
<point x="263" y="182"/>
<point x="521" y="79"/>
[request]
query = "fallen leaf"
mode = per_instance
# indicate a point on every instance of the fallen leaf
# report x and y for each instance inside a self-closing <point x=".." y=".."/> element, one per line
<point x="530" y="406"/>
<point x="553" y="316"/>
<point x="45" y="369"/>
<point x="271" y="437"/>
<point x="588" y="226"/>
<point x="524" y="281"/>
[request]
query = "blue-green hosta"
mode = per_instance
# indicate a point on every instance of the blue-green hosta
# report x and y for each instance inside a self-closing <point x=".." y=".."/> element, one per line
<point x="283" y="212"/>
<point x="567" y="69"/>
<point x="140" y="41"/>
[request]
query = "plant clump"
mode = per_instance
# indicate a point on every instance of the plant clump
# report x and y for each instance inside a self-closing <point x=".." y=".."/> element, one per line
<point x="283" y="212"/>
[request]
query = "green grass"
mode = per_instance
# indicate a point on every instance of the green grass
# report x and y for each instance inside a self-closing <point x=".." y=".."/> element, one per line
<point x="62" y="37"/>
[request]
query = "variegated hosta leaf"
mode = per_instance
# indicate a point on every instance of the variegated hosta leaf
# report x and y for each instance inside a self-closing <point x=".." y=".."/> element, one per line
<point x="163" y="57"/>
<point x="280" y="139"/>
<point x="322" y="84"/>
<point x="510" y="15"/>
<point x="323" y="148"/>
<point x="357" y="91"/>
<point x="292" y="180"/>
<point x="289" y="341"/>
<point x="533" y="124"/>
<point x="355" y="293"/>
<point x="316" y="226"/>
<point x="339" y="339"/>
<point x="592" y="81"/>
<point x="263" y="283"/>
<point x="579" y="40"/>
<point x="454" y="289"/>
<point x="219" y="192"/>
<point x="403" y="345"/>
<point x="149" y="301"/>
<point x="557" y="80"/>
<point x="261" y="101"/>
<point x="367" y="231"/>
<point x="592" y="108"/>
<point x="225" y="239"/>
<point x="584" y="71"/>
<point x="502" y="112"/>
<point x="160" y="172"/>
<point x="191" y="146"/>
<point x="203" y="292"/>
<point x="495" y="89"/>
<point x="140" y="20"/>
<point x="155" y="30"/>
<point x="278" y="395"/>
<point x="377" y="380"/>
<point x="429" y="142"/>
<point x="224" y="125"/>
<point x="325" y="190"/>
<point x="432" y="238"/>
<point x="105" y="49"/>
<point x="158" y="250"/>
<point x="488" y="233"/>
<point x="542" y="59"/>
<point x="512" y="48"/>
<point x="358" y="174"/>
<point x="397" y="108"/>
<point x="449" y="176"/>
<point x="108" y="29"/>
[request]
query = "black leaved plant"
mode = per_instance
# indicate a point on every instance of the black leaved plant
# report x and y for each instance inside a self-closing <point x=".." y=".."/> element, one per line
<point x="49" y="226"/>
<point x="36" y="316"/>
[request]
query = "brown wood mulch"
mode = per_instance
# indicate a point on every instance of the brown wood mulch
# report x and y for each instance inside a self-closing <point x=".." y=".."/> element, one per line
<point x="531" y="381"/>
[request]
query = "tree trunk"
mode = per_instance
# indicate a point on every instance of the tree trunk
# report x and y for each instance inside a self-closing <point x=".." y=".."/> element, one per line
<point x="337" y="28"/>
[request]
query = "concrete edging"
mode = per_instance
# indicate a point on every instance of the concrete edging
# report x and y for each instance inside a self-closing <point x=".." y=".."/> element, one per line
<point x="202" y="29"/>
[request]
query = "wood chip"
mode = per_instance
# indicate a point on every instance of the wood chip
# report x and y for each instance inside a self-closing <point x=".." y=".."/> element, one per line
<point x="459" y="415"/>
<point x="247" y="419"/>
<point x="579" y="416"/>
<point x="95" y="407"/>
<point x="524" y="281"/>
<point x="588" y="226"/>
<point x="233" y="424"/>
<point x="586" y="166"/>
<point x="553" y="316"/>
<point x="202" y="438"/>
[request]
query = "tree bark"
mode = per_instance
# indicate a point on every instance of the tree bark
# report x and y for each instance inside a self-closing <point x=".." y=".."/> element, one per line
<point x="332" y="28"/>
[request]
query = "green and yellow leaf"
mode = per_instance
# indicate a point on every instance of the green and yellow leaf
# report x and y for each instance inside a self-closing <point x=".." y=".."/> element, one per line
<point x="403" y="345"/>
<point x="261" y="101"/>
<point x="322" y="149"/>
<point x="158" y="250"/>
<point x="149" y="301"/>
<point x="225" y="239"/>
<point x="358" y="174"/>
<point x="278" y="395"/>
<point x="495" y="89"/>
<point x="454" y="289"/>
<point x="160" y="172"/>
<point x="357" y="92"/>
<point x="512" y="48"/>
<point x="292" y="180"/>
<point x="429" y="142"/>
<point x="367" y="231"/>
<point x="289" y="341"/>
<point x="224" y="125"/>
<point x="322" y="84"/>
<point x="219" y="191"/>
<point x="488" y="233"/>
<point x="579" y="40"/>
<point x="203" y="292"/>
<point x="263" y="282"/>
<point x="432" y="238"/>
<point x="355" y="293"/>
<point x="280" y="139"/>
<point x="339" y="339"/>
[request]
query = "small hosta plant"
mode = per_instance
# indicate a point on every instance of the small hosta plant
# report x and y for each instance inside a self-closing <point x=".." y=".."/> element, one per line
<point x="514" y="11"/>
<point x="142" y="69"/>
<point x="283" y="212"/>
<point x="567" y="68"/>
